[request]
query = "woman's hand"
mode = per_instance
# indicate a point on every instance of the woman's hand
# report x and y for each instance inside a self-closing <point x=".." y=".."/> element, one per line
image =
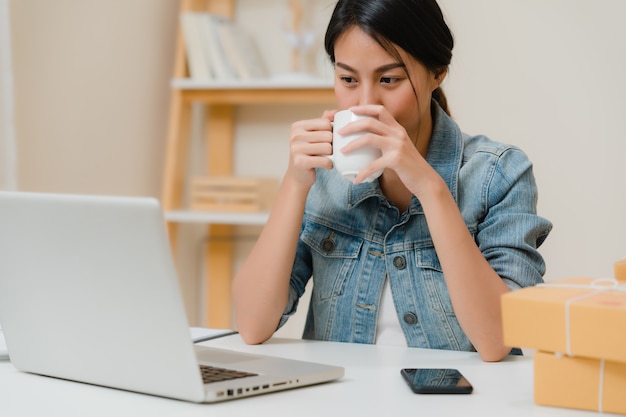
<point x="399" y="153"/>
<point x="310" y="143"/>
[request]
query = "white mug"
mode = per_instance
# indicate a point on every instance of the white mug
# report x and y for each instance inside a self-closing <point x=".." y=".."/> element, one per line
<point x="349" y="165"/>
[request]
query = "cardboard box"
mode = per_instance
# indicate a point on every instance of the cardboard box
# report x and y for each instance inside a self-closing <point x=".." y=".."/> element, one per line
<point x="571" y="312"/>
<point x="620" y="270"/>
<point x="232" y="194"/>
<point x="582" y="383"/>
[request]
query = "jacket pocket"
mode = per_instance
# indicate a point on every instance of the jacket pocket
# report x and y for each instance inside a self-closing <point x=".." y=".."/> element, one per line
<point x="334" y="255"/>
<point x="432" y="274"/>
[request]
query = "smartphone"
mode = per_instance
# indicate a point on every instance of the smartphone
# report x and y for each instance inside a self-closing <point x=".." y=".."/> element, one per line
<point x="436" y="381"/>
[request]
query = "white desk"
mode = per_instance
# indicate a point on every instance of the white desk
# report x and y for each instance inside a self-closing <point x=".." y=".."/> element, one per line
<point x="372" y="386"/>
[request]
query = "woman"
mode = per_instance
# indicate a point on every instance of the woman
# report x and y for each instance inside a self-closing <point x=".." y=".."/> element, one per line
<point x="421" y="256"/>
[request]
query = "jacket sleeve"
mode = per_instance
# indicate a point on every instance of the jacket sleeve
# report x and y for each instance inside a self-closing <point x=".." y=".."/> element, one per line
<point x="511" y="232"/>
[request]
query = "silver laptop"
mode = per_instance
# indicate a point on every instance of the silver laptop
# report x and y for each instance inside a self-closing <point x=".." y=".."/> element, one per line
<point x="89" y="293"/>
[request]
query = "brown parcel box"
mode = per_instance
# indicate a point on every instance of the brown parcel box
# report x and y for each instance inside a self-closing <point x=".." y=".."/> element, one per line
<point x="537" y="318"/>
<point x="582" y="383"/>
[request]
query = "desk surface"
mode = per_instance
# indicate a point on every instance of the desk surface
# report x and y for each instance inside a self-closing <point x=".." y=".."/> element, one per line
<point x="372" y="386"/>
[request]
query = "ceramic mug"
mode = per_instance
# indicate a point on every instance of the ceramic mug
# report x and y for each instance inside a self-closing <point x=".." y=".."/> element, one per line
<point x="349" y="165"/>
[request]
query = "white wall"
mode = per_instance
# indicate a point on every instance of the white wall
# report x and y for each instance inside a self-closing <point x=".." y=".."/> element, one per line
<point x="548" y="76"/>
<point x="91" y="86"/>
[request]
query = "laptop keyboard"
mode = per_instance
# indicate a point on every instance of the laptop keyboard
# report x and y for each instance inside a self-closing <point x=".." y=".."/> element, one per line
<point x="215" y="374"/>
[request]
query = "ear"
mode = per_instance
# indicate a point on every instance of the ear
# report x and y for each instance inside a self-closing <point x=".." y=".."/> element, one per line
<point x="438" y="78"/>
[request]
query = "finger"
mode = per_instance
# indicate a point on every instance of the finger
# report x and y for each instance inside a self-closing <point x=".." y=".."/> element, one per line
<point x="311" y="136"/>
<point x="367" y="139"/>
<point x="371" y="110"/>
<point x="365" y="173"/>
<point x="376" y="111"/>
<point x="312" y="125"/>
<point x="306" y="162"/>
<point x="366" y="124"/>
<point x="312" y="149"/>
<point x="329" y="114"/>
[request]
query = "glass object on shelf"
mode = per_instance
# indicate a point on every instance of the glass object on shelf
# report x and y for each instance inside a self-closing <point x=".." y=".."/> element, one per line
<point x="300" y="40"/>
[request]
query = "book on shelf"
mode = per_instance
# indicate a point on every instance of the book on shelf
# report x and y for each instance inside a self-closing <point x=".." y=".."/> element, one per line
<point x="213" y="47"/>
<point x="218" y="49"/>
<point x="241" y="51"/>
<point x="196" y="60"/>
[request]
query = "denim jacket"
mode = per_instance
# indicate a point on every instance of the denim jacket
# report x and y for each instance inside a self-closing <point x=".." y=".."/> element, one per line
<point x="352" y="238"/>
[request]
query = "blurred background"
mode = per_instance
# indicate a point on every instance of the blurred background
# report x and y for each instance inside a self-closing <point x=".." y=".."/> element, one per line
<point x="85" y="89"/>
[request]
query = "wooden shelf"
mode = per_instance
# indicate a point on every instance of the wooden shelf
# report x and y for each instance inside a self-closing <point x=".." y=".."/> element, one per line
<point x="278" y="83"/>
<point x="220" y="100"/>
<point x="254" y="92"/>
<point x="217" y="217"/>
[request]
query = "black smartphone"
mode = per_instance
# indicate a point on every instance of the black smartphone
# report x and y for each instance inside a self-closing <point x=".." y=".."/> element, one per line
<point x="436" y="381"/>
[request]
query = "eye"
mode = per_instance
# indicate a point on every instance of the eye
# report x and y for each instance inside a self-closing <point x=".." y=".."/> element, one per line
<point x="348" y="80"/>
<point x="389" y="80"/>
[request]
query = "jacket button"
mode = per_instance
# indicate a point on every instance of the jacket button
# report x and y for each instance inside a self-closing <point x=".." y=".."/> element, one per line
<point x="399" y="262"/>
<point x="410" y="318"/>
<point x="328" y="245"/>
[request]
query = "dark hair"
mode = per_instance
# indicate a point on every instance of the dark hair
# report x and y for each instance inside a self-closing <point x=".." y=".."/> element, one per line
<point x="416" y="26"/>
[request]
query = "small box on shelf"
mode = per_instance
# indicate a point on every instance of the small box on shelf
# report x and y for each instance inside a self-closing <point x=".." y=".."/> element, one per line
<point x="620" y="269"/>
<point x="232" y="194"/>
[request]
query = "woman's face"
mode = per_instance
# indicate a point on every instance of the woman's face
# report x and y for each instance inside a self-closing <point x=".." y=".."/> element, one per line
<point x="365" y="73"/>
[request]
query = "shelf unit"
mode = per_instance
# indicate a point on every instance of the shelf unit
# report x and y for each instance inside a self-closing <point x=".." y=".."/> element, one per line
<point x="217" y="217"/>
<point x="219" y="100"/>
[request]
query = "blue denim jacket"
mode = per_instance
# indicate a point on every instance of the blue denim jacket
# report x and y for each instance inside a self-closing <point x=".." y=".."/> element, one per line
<point x="352" y="237"/>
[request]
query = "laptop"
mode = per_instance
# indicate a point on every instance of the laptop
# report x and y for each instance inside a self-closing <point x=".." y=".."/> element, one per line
<point x="89" y="293"/>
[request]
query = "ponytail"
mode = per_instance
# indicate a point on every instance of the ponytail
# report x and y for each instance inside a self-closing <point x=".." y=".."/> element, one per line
<point x="441" y="98"/>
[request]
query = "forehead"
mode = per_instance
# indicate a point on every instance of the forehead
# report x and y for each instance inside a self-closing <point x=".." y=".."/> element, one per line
<point x="358" y="46"/>
<point x="359" y="50"/>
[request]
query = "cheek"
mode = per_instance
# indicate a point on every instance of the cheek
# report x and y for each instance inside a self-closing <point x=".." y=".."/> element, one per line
<point x="345" y="98"/>
<point x="405" y="110"/>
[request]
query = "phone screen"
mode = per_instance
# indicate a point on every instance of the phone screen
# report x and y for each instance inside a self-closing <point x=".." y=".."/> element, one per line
<point x="436" y="381"/>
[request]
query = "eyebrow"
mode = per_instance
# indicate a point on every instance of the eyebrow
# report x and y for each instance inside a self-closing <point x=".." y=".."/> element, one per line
<point x="379" y="69"/>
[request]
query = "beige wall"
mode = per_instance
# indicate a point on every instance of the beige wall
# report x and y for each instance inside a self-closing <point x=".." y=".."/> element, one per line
<point x="548" y="76"/>
<point x="91" y="93"/>
<point x="91" y="85"/>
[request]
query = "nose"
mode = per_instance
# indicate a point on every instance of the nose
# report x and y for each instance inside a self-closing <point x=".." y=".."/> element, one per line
<point x="368" y="95"/>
